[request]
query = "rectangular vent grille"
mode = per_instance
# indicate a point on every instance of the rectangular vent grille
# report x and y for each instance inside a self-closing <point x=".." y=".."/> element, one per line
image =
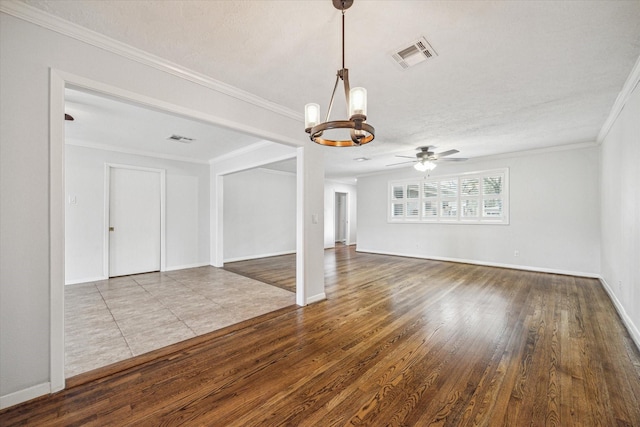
<point x="180" y="138"/>
<point x="417" y="52"/>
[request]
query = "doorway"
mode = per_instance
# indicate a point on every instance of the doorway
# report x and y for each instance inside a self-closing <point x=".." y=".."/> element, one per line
<point x="100" y="201"/>
<point x="341" y="221"/>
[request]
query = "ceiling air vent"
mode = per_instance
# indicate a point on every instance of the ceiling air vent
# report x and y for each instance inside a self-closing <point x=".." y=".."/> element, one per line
<point x="414" y="53"/>
<point x="180" y="138"/>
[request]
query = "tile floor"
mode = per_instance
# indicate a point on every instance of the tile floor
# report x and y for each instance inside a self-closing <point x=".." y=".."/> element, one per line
<point x="116" y="319"/>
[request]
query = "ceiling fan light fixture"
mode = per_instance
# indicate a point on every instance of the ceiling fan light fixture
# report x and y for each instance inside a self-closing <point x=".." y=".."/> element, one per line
<point x="425" y="159"/>
<point x="424" y="166"/>
<point x="359" y="131"/>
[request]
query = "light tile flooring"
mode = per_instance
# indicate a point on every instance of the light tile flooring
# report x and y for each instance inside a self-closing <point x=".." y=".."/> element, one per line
<point x="116" y="319"/>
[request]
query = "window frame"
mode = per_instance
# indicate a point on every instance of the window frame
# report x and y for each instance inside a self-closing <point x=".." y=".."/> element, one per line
<point x="454" y="200"/>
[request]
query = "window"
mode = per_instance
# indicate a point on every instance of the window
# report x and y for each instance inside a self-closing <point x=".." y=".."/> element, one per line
<point x="492" y="191"/>
<point x="413" y="191"/>
<point x="470" y="198"/>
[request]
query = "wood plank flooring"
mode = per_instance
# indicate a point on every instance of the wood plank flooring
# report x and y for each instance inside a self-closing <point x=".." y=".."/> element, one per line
<point x="397" y="342"/>
<point x="278" y="271"/>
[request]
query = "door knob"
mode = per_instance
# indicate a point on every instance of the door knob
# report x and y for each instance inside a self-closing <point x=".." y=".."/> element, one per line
<point x="111" y="229"/>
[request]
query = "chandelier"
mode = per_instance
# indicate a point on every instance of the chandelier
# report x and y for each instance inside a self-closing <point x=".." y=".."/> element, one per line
<point x="360" y="132"/>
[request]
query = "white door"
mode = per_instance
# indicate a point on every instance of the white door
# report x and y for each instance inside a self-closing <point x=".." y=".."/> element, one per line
<point x="134" y="221"/>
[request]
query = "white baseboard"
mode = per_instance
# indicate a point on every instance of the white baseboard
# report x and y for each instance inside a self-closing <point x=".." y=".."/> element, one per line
<point x="24" y="395"/>
<point x="246" y="258"/>
<point x="99" y="278"/>
<point x="626" y="320"/>
<point x="183" y="267"/>
<point x="320" y="297"/>
<point x="85" y="280"/>
<point x="488" y="264"/>
<point x="334" y="246"/>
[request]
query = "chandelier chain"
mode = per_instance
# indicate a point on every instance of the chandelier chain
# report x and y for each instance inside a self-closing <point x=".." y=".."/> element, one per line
<point x="343" y="39"/>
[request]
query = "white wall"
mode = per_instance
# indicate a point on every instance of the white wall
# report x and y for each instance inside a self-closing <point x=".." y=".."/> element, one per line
<point x="254" y="156"/>
<point x="330" y="189"/>
<point x="31" y="270"/>
<point x="554" y="221"/>
<point x="187" y="210"/>
<point x="621" y="211"/>
<point x="259" y="214"/>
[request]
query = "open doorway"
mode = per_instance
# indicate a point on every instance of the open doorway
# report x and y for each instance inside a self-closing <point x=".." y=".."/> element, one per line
<point x="110" y="319"/>
<point x="341" y="219"/>
<point x="260" y="224"/>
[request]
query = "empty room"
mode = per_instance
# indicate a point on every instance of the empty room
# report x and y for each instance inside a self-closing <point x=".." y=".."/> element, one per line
<point x="319" y="212"/>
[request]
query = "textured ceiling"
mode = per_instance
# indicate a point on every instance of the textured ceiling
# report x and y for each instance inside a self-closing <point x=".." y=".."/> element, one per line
<point x="509" y="76"/>
<point x="103" y="122"/>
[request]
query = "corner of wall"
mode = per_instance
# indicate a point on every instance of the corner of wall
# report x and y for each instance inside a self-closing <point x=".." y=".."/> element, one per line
<point x="626" y="320"/>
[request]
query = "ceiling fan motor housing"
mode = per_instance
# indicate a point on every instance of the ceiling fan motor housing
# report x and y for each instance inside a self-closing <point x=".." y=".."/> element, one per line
<point x="425" y="155"/>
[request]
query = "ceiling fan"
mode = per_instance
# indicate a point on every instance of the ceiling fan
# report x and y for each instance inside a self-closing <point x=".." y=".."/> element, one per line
<point x="425" y="158"/>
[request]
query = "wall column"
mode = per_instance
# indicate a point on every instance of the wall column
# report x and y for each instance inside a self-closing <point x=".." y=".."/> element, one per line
<point x="310" y="225"/>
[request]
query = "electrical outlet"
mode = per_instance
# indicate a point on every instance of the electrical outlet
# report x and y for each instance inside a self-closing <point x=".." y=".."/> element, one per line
<point x="516" y="253"/>
<point x="619" y="284"/>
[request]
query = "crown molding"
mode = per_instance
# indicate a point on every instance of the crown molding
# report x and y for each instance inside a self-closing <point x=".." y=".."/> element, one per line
<point x="350" y="181"/>
<point x="507" y="155"/>
<point x="621" y="100"/>
<point x="43" y="19"/>
<point x="534" y="151"/>
<point x="116" y="149"/>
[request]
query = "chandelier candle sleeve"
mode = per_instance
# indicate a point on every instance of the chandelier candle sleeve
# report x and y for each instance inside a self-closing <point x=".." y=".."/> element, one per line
<point x="311" y="115"/>
<point x="358" y="101"/>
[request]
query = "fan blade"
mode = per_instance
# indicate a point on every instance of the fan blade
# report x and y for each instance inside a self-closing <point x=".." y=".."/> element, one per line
<point x="406" y="157"/>
<point x="447" y="153"/>
<point x="401" y="163"/>
<point x="457" y="159"/>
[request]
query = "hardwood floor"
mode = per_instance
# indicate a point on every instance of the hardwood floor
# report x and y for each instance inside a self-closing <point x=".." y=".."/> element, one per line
<point x="277" y="271"/>
<point x="398" y="342"/>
